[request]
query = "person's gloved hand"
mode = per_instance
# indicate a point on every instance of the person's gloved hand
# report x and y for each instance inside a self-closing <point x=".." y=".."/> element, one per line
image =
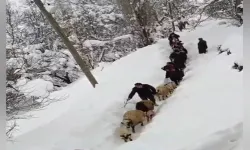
<point x="128" y="99"/>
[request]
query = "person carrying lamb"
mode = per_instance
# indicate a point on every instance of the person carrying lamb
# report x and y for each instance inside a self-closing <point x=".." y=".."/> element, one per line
<point x="145" y="92"/>
<point x="173" y="73"/>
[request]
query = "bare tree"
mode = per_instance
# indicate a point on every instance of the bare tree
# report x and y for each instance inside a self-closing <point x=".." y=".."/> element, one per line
<point x="19" y="103"/>
<point x="221" y="9"/>
<point x="141" y="17"/>
<point x="67" y="42"/>
<point x="171" y="14"/>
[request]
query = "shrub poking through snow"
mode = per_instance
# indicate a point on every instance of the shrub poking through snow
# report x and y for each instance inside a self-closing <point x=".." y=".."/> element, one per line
<point x="237" y="66"/>
<point x="220" y="50"/>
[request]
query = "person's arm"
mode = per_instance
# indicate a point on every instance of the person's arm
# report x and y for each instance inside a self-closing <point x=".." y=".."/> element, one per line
<point x="164" y="68"/>
<point x="132" y="93"/>
<point x="205" y="44"/>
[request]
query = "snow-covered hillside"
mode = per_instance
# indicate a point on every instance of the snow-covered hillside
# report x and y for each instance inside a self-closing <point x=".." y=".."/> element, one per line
<point x="204" y="112"/>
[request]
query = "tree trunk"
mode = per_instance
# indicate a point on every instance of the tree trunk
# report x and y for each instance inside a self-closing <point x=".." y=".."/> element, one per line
<point x="171" y="14"/>
<point x="67" y="42"/>
<point x="237" y="2"/>
<point x="144" y="34"/>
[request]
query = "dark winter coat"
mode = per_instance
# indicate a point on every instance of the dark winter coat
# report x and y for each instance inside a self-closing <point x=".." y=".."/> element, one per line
<point x="202" y="46"/>
<point x="171" y="37"/>
<point x="181" y="25"/>
<point x="144" y="92"/>
<point x="169" y="68"/>
<point x="177" y="76"/>
<point x="180" y="47"/>
<point x="173" y="72"/>
<point x="179" y="58"/>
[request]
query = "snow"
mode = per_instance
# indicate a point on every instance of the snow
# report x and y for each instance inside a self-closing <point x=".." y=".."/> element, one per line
<point x="221" y="140"/>
<point x="14" y="62"/>
<point x="204" y="113"/>
<point x="203" y="5"/>
<point x="240" y="5"/>
<point x="18" y="5"/>
<point x="90" y="43"/>
<point x="122" y="37"/>
<point x="37" y="87"/>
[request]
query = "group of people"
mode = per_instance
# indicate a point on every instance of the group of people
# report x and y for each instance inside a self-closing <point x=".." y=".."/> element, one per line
<point x="174" y="68"/>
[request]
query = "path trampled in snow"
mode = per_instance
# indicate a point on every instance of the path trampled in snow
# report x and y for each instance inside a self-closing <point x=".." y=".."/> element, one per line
<point x="208" y="100"/>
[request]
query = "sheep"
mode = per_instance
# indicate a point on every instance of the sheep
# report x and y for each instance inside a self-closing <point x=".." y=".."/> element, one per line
<point x="165" y="91"/>
<point x="132" y="118"/>
<point x="145" y="106"/>
<point x="172" y="86"/>
<point x="125" y="134"/>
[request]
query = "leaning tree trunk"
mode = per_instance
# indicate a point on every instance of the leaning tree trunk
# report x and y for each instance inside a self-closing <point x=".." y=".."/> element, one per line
<point x="67" y="42"/>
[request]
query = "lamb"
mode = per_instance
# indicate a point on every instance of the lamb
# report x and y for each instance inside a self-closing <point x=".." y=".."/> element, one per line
<point x="164" y="91"/>
<point x="125" y="134"/>
<point x="146" y="106"/>
<point x="132" y="118"/>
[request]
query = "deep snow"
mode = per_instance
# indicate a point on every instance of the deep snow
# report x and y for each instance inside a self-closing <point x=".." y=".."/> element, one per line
<point x="204" y="112"/>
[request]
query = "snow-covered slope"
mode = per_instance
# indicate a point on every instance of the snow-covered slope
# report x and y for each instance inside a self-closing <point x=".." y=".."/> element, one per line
<point x="204" y="111"/>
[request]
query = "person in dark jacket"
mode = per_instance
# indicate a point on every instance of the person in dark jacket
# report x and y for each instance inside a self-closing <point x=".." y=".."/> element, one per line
<point x="181" y="25"/>
<point x="173" y="35"/>
<point x="202" y="46"/>
<point x="145" y="92"/>
<point x="173" y="38"/>
<point x="180" y="47"/>
<point x="173" y="72"/>
<point x="179" y="59"/>
<point x="175" y="43"/>
<point x="185" y="22"/>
